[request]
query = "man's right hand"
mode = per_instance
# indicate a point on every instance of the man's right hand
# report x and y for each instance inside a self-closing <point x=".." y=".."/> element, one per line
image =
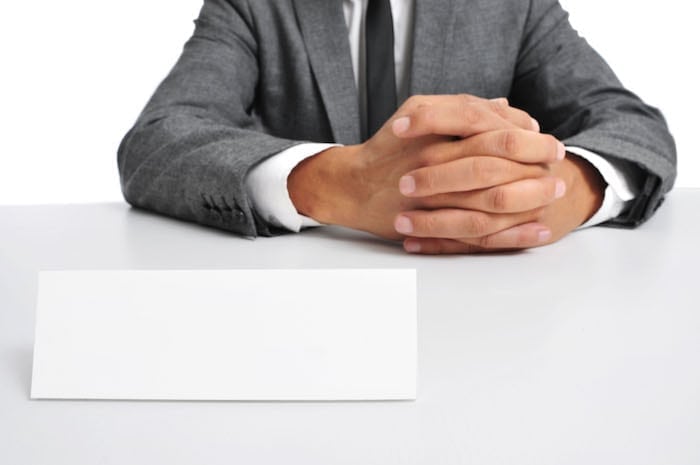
<point x="358" y="186"/>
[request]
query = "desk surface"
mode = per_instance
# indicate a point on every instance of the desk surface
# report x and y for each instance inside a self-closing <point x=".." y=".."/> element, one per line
<point x="584" y="352"/>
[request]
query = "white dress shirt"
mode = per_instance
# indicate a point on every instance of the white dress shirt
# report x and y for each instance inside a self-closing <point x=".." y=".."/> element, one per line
<point x="267" y="182"/>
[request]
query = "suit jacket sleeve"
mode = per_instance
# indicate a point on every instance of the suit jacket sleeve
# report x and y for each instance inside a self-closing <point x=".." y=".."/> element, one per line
<point x="576" y="97"/>
<point x="189" y="151"/>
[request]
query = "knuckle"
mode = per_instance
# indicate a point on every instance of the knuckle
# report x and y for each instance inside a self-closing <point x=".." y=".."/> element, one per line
<point x="509" y="143"/>
<point x="477" y="224"/>
<point x="482" y="169"/>
<point x="486" y="242"/>
<point x="415" y="101"/>
<point x="520" y="240"/>
<point x="430" y="180"/>
<point x="429" y="224"/>
<point x="471" y="115"/>
<point x="474" y="249"/>
<point x="498" y="106"/>
<point x="467" y="98"/>
<point x="412" y="105"/>
<point x="425" y="116"/>
<point x="505" y="168"/>
<point x="478" y="169"/>
<point x="440" y="248"/>
<point x="498" y="199"/>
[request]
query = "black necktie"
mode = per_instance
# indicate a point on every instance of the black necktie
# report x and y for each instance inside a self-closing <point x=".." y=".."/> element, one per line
<point x="381" y="80"/>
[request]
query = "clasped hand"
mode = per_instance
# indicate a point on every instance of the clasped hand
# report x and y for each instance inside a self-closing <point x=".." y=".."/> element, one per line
<point x="452" y="174"/>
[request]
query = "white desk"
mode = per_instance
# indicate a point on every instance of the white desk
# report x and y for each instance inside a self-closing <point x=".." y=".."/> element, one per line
<point x="584" y="352"/>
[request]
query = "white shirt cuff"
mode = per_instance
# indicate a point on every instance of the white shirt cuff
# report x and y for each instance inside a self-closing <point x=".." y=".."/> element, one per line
<point x="266" y="185"/>
<point x="618" y="193"/>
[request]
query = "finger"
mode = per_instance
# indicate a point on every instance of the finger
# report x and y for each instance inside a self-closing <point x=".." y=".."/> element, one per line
<point x="499" y="106"/>
<point x="459" y="117"/>
<point x="430" y="246"/>
<point x="518" y="196"/>
<point x="454" y="223"/>
<point x="465" y="174"/>
<point x="523" y="236"/>
<point x="416" y="101"/>
<point x="520" y="237"/>
<point x="520" y="118"/>
<point x="449" y="120"/>
<point x="515" y="145"/>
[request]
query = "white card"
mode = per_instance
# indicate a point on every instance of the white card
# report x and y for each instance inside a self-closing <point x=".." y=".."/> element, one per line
<point x="226" y="335"/>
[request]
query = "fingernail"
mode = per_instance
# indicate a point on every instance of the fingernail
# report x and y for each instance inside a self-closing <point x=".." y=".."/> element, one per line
<point x="403" y="225"/>
<point x="407" y="185"/>
<point x="535" y="125"/>
<point x="561" y="151"/>
<point x="560" y="189"/>
<point x="544" y="235"/>
<point x="501" y="100"/>
<point x="412" y="246"/>
<point x="401" y="125"/>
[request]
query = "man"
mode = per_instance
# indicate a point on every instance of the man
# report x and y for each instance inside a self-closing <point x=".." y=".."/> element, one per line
<point x="456" y="126"/>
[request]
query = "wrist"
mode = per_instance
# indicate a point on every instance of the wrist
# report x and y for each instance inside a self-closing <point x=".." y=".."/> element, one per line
<point x="321" y="187"/>
<point x="588" y="186"/>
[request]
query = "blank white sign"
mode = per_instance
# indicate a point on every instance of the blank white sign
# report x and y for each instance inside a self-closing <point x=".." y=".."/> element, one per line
<point x="226" y="335"/>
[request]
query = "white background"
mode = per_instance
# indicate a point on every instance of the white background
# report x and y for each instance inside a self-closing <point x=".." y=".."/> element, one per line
<point x="75" y="74"/>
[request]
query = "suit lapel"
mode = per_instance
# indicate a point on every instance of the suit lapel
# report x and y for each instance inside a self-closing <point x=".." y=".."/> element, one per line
<point x="325" y="35"/>
<point x="433" y="20"/>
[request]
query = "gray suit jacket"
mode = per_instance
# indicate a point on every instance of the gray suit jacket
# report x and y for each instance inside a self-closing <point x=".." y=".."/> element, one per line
<point x="259" y="76"/>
